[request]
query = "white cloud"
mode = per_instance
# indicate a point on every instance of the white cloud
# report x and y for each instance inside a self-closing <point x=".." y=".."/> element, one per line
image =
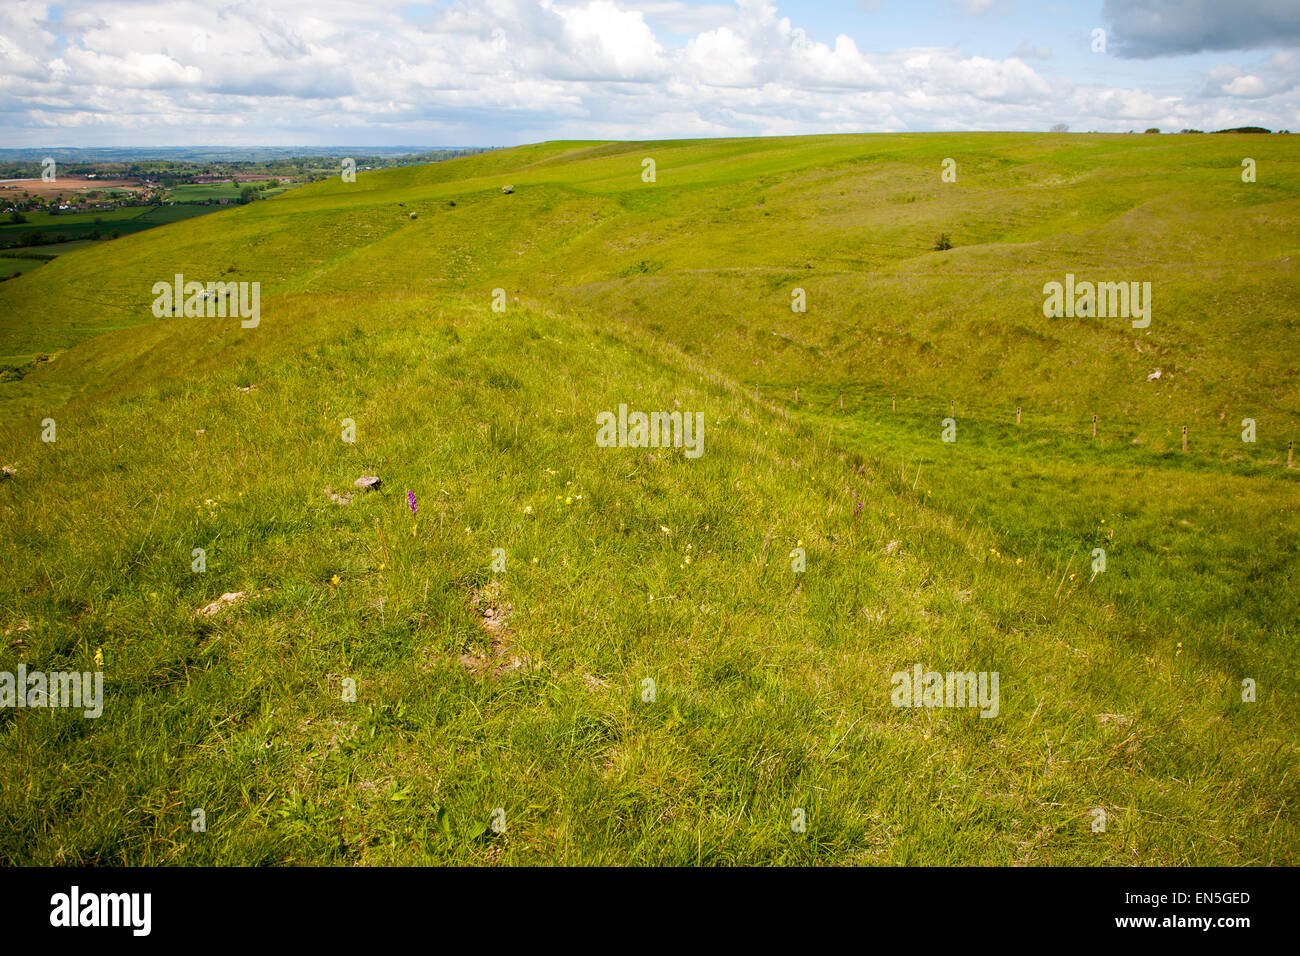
<point x="1028" y="51"/>
<point x="1124" y="104"/>
<point x="720" y="58"/>
<point x="1275" y="76"/>
<point x="612" y="41"/>
<point x="503" y="71"/>
<point x="843" y="66"/>
<point x="683" y="18"/>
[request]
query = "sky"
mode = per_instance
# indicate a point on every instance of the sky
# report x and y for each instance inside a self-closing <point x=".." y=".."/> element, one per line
<point x="505" y="72"/>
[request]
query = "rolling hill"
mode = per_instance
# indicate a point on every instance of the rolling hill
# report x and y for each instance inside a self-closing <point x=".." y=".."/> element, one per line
<point x="570" y="653"/>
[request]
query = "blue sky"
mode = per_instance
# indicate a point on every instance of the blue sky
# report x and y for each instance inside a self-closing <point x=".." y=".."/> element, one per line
<point x="501" y="72"/>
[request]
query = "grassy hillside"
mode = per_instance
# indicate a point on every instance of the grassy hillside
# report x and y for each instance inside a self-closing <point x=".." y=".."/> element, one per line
<point x="525" y="690"/>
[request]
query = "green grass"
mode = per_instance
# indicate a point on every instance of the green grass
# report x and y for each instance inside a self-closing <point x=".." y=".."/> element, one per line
<point x="1120" y="690"/>
<point x="203" y="191"/>
<point x="43" y="219"/>
<point x="161" y="215"/>
<point x="14" y="265"/>
<point x="72" y="227"/>
<point x="53" y="249"/>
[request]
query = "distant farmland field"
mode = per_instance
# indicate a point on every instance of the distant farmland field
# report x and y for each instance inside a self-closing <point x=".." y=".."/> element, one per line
<point x="10" y="266"/>
<point x="75" y="226"/>
<point x="65" y="186"/>
<point x="205" y="191"/>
